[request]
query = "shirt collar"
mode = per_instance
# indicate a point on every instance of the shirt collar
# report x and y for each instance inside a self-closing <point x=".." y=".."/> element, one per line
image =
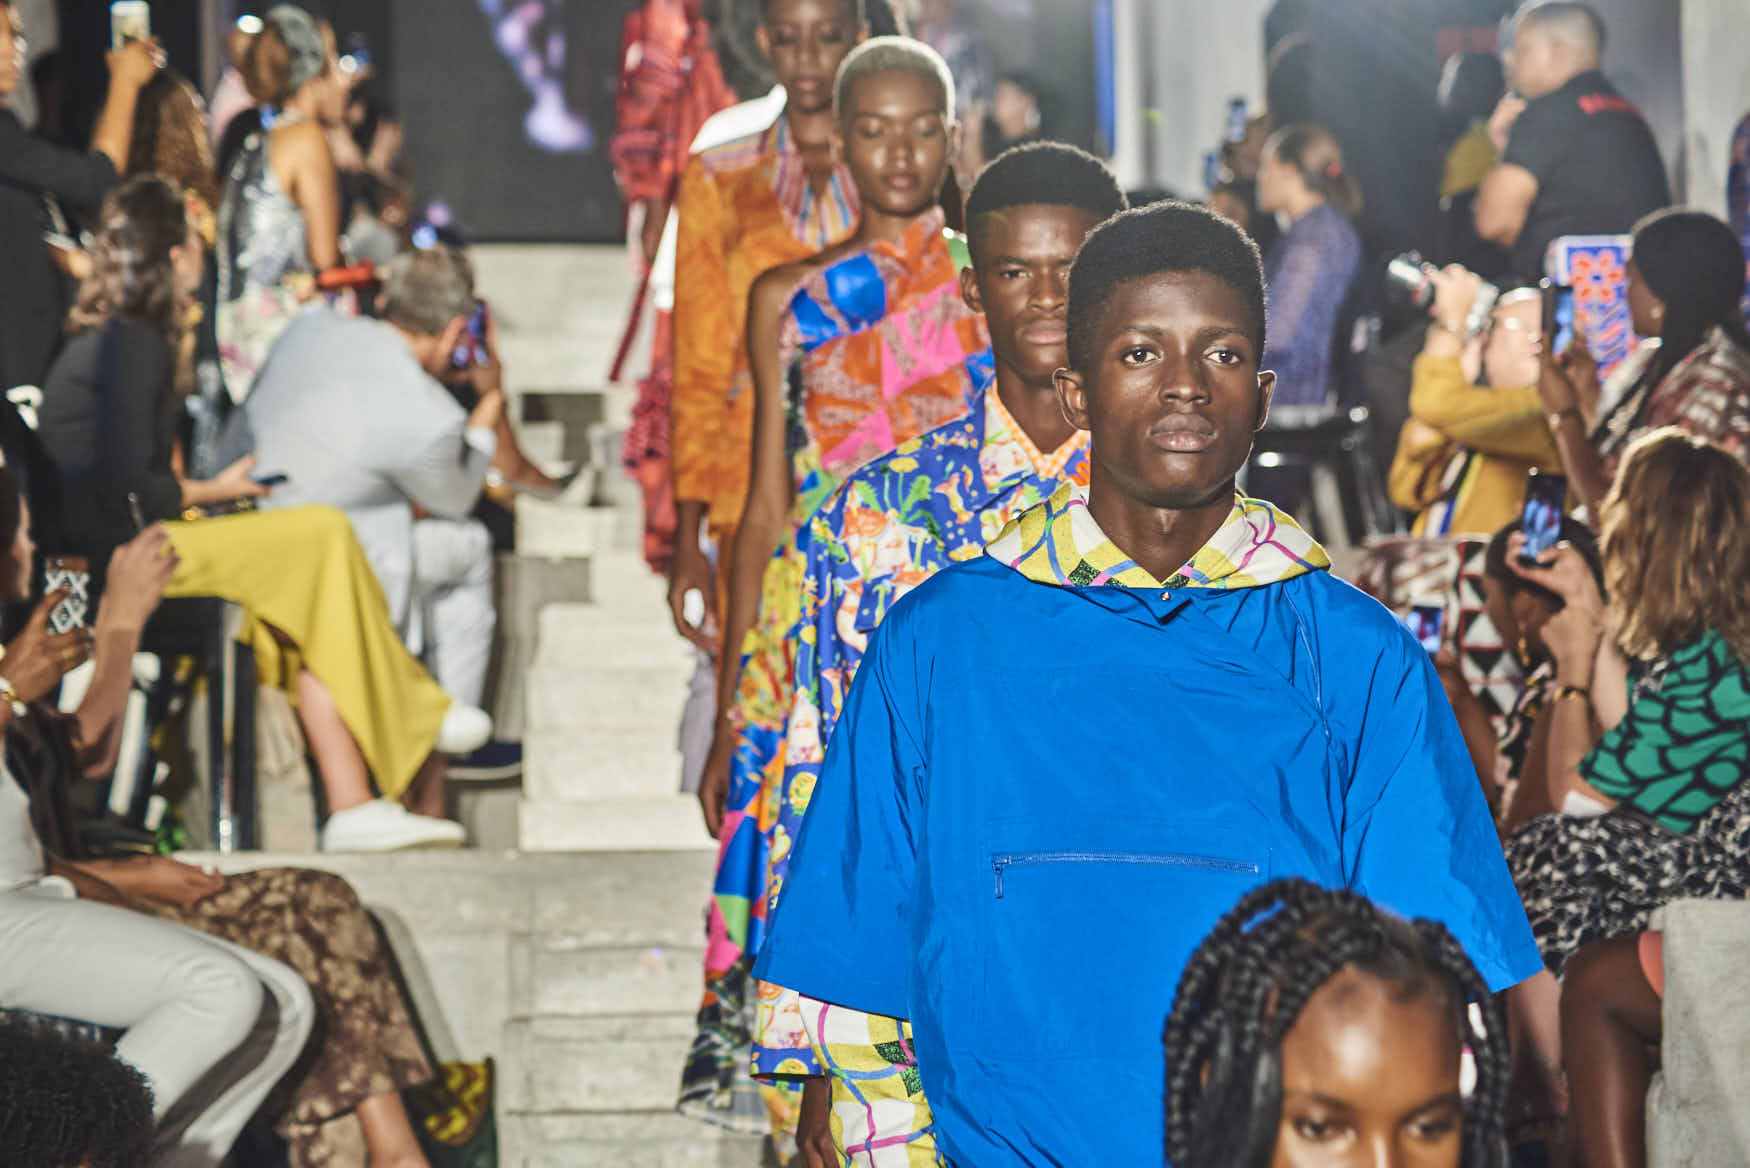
<point x="1058" y="542"/>
<point x="818" y="221"/>
<point x="1006" y="450"/>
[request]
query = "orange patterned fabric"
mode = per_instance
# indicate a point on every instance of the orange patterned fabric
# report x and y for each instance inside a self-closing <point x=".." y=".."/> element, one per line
<point x="745" y="207"/>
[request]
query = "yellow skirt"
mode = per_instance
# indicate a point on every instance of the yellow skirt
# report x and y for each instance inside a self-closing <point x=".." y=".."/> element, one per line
<point x="300" y="572"/>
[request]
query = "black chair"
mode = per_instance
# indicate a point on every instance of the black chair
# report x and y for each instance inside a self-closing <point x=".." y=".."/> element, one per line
<point x="1340" y="445"/>
<point x="205" y="628"/>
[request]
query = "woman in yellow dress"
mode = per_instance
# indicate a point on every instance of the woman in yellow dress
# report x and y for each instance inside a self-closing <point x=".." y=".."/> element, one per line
<point x="317" y="617"/>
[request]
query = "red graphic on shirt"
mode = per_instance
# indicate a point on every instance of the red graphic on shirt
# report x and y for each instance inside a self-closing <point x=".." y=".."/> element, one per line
<point x="1605" y="103"/>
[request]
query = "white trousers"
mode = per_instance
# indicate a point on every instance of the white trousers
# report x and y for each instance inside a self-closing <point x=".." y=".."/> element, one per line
<point x="452" y="597"/>
<point x="211" y="1025"/>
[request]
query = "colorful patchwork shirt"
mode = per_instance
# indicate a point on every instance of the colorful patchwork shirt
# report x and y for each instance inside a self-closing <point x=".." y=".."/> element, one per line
<point x="893" y="524"/>
<point x="1054" y="773"/>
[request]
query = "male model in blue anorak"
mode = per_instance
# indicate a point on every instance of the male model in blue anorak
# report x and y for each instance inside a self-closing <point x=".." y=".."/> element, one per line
<point x="1061" y="762"/>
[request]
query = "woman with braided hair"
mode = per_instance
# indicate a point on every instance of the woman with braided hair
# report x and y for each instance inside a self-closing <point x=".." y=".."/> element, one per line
<point x="1311" y="1026"/>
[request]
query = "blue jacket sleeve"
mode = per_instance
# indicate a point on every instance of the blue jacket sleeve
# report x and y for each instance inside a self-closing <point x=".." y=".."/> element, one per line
<point x="1417" y="834"/>
<point x="842" y="932"/>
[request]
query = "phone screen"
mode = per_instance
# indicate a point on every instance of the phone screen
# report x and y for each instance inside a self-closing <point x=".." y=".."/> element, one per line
<point x="471" y="349"/>
<point x="1211" y="171"/>
<point x="1236" y="120"/>
<point x="1546" y="498"/>
<point x="129" y="20"/>
<point x="1558" y="317"/>
<point x="1426" y="622"/>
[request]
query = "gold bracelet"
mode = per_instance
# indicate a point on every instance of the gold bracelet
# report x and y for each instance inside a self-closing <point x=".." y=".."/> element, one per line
<point x="1573" y="691"/>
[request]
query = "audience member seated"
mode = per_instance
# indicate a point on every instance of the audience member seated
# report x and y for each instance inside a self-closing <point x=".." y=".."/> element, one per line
<point x="1649" y="730"/>
<point x="1309" y="269"/>
<point x="279" y="218"/>
<point x="69" y="1102"/>
<point x="1576" y="159"/>
<point x="350" y="411"/>
<point x="1463" y="454"/>
<point x="32" y="292"/>
<point x="1310" y="1022"/>
<point x="194" y="1012"/>
<point x="319" y="623"/>
<point x="1685" y="282"/>
<point x="1513" y="766"/>
<point x="311" y="921"/>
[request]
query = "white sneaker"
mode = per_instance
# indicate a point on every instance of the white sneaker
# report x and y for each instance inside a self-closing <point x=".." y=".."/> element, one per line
<point x="385" y="826"/>
<point x="465" y="730"/>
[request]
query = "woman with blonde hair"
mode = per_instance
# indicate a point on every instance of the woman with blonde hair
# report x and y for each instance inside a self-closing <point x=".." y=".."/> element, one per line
<point x="1649" y="737"/>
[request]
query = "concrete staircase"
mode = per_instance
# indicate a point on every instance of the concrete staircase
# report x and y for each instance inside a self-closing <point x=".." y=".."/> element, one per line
<point x="568" y="942"/>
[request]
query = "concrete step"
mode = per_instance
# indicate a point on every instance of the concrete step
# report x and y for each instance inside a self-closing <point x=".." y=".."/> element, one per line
<point x="630" y="1063"/>
<point x="613" y="764"/>
<point x="645" y="1139"/>
<point x="581" y="980"/>
<point x="652" y="824"/>
<point x="583" y="702"/>
<point x="603" y="636"/>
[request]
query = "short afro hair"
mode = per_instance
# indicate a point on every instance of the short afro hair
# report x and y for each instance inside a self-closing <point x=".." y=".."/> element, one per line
<point x="1048" y="173"/>
<point x="1169" y="236"/>
<point x="892" y="54"/>
<point x="67" y="1100"/>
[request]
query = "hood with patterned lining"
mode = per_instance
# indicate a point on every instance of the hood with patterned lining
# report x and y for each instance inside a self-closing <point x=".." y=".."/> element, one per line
<point x="1058" y="542"/>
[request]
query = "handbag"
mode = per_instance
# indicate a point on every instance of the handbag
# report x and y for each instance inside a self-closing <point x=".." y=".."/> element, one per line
<point x="453" y="1115"/>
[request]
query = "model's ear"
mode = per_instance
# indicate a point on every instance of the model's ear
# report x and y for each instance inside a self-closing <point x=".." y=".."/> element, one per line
<point x="969" y="290"/>
<point x="1072" y="397"/>
<point x="1266" y="390"/>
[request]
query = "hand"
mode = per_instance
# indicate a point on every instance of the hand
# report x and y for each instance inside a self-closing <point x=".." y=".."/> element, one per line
<point x="714" y="779"/>
<point x="1501" y="121"/>
<point x="1577" y="362"/>
<point x="165" y="880"/>
<point x="37" y="659"/>
<point x="139" y="572"/>
<point x="1455" y="292"/>
<point x="692" y="572"/>
<point x="1563" y="571"/>
<point x="814" y="1124"/>
<point x="72" y="262"/>
<point x="1452" y="679"/>
<point x="1554" y="388"/>
<point x="135" y="63"/>
<point x="237" y="482"/>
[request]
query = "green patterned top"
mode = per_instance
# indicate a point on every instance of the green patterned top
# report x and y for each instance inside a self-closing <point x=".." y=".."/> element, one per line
<point x="1685" y="741"/>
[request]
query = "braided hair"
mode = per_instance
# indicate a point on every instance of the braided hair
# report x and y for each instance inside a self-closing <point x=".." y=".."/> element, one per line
<point x="1249" y="980"/>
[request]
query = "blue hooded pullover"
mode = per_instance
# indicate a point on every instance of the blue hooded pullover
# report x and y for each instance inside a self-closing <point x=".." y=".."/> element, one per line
<point x="1053" y="775"/>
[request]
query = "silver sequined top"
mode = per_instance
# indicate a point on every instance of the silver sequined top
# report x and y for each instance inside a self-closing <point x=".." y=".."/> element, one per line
<point x="261" y="231"/>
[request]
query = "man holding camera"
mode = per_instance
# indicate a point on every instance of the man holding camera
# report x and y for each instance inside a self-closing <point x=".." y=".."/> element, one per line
<point x="1576" y="159"/>
<point x="1463" y="454"/>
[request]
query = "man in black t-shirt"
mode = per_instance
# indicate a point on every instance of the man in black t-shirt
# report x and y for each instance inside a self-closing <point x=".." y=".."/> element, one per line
<point x="1576" y="159"/>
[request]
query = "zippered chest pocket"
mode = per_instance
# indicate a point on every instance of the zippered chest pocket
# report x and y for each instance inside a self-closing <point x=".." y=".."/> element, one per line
<point x="1081" y="947"/>
<point x="1003" y="861"/>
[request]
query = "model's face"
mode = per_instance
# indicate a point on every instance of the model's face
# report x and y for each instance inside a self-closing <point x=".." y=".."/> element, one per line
<point x="1369" y="1081"/>
<point x="1014" y="109"/>
<point x="1646" y="310"/>
<point x="896" y="141"/>
<point x="1172" y="395"/>
<point x="11" y="53"/>
<point x="1510" y="352"/>
<point x="1021" y="284"/>
<point x="806" y="40"/>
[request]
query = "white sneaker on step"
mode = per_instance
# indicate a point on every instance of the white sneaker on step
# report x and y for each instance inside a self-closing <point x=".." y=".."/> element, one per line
<point x="465" y="730"/>
<point x="385" y="826"/>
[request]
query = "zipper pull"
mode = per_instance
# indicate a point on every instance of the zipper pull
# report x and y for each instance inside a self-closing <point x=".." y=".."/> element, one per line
<point x="997" y="865"/>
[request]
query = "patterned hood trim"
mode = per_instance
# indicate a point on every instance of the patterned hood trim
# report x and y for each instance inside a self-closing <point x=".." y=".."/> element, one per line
<point x="1058" y="542"/>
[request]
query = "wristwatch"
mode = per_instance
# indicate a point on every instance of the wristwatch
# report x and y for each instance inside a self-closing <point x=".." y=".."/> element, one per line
<point x="9" y="696"/>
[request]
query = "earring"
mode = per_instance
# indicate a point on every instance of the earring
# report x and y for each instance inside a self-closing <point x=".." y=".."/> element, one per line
<point x="1658" y="312"/>
<point x="1524" y="650"/>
